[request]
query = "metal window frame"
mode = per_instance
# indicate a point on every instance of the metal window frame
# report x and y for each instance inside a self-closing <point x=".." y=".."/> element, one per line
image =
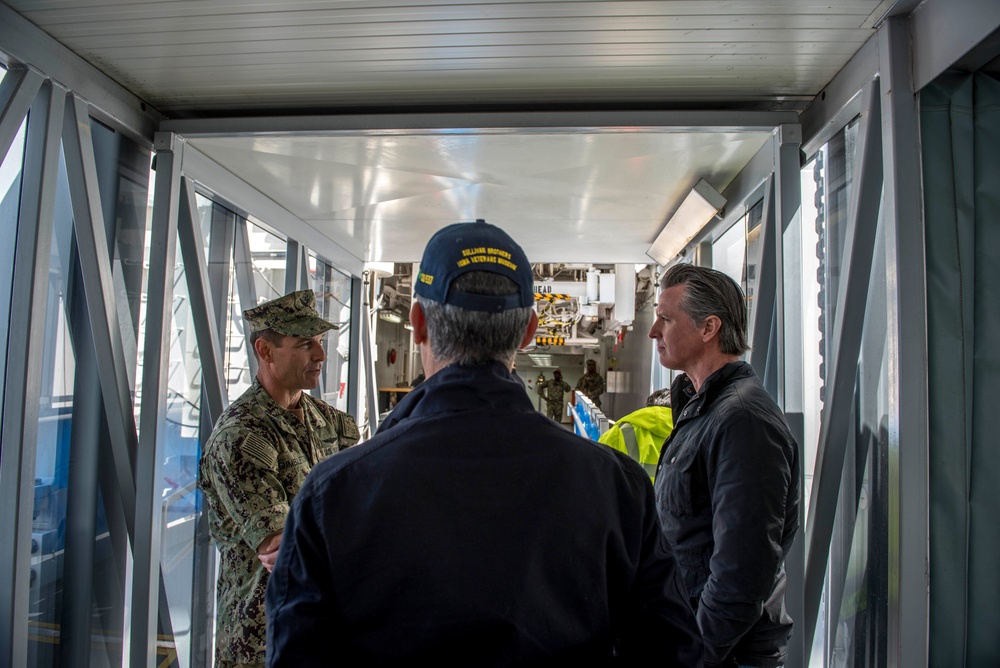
<point x="25" y="344"/>
<point x="146" y="580"/>
<point x="907" y="305"/>
<point x="245" y="285"/>
<point x="202" y="302"/>
<point x="835" y="424"/>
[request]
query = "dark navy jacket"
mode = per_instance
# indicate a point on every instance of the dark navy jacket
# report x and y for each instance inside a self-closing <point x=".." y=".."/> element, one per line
<point x="727" y="492"/>
<point x="472" y="530"/>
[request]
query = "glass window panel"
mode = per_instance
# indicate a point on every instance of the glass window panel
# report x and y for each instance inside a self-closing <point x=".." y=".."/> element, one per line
<point x="751" y="269"/>
<point x="729" y="251"/>
<point x="333" y="300"/>
<point x="52" y="455"/>
<point x="835" y="174"/>
<point x="74" y="609"/>
<point x="267" y="252"/>
<point x="205" y="219"/>
<point x="10" y="201"/>
<point x="180" y="499"/>
<point x="812" y="359"/>
<point x="853" y="617"/>
<point x="237" y="363"/>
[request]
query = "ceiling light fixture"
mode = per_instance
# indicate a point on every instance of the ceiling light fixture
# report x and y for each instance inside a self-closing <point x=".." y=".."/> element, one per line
<point x="697" y="210"/>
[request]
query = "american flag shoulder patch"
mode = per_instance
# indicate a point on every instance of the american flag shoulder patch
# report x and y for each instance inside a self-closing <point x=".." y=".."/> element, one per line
<point x="259" y="450"/>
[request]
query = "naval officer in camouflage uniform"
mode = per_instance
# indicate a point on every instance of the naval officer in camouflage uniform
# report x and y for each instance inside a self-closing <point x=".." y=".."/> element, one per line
<point x="552" y="391"/>
<point x="591" y="383"/>
<point x="257" y="458"/>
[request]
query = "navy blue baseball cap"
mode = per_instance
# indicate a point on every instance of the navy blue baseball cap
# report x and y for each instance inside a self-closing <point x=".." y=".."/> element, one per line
<point x="479" y="246"/>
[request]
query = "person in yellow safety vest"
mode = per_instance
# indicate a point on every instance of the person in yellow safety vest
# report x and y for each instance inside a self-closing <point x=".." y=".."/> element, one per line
<point x="641" y="433"/>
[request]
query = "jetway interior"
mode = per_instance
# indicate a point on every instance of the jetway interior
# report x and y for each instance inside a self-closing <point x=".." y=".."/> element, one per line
<point x="169" y="164"/>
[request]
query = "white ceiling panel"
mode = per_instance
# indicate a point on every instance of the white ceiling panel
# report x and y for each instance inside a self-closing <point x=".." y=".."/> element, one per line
<point x="586" y="196"/>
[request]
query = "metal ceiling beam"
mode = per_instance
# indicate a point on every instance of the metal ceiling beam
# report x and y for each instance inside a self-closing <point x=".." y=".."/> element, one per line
<point x="840" y="100"/>
<point x="521" y="122"/>
<point x="114" y="105"/>
<point x="944" y="31"/>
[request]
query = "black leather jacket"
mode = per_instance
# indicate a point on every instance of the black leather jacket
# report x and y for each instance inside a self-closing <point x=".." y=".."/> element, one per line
<point x="727" y="492"/>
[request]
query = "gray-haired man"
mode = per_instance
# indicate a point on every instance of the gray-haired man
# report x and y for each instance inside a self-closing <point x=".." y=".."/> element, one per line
<point x="727" y="486"/>
<point x="472" y="530"/>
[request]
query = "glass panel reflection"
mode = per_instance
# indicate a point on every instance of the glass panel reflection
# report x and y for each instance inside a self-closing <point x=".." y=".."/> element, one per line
<point x="181" y="501"/>
<point x="52" y="455"/>
<point x="333" y="300"/>
<point x="267" y="252"/>
<point x="729" y="251"/>
<point x="10" y="200"/>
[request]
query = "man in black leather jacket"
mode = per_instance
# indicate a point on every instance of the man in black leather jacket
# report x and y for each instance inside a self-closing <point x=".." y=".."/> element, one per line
<point x="472" y="530"/>
<point x="727" y="485"/>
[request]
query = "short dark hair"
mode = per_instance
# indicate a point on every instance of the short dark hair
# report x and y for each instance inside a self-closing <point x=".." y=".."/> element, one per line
<point x="268" y="335"/>
<point x="711" y="292"/>
<point x="461" y="336"/>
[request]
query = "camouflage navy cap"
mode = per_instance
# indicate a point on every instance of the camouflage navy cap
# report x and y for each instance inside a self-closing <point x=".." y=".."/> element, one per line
<point x="292" y="315"/>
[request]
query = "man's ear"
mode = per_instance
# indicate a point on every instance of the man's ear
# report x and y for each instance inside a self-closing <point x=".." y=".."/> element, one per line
<point x="419" y="322"/>
<point x="710" y="327"/>
<point x="263" y="349"/>
<point x="529" y="333"/>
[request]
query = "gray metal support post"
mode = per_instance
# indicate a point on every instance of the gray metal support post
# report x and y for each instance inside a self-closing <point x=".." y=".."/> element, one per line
<point x="908" y="406"/>
<point x="95" y="262"/>
<point x="304" y="283"/>
<point x="293" y="266"/>
<point x="220" y="254"/>
<point x="787" y="200"/>
<point x="202" y="303"/>
<point x="368" y="358"/>
<point x="787" y="209"/>
<point x="25" y="342"/>
<point x="152" y="422"/>
<point x="354" y="346"/>
<point x="245" y="286"/>
<point x="762" y="313"/>
<point x="852" y="296"/>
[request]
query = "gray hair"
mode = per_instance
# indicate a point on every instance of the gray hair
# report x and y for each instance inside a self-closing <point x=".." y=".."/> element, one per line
<point x="711" y="292"/>
<point x="461" y="336"/>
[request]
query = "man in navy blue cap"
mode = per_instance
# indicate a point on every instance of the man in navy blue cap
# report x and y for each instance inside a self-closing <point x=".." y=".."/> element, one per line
<point x="472" y="530"/>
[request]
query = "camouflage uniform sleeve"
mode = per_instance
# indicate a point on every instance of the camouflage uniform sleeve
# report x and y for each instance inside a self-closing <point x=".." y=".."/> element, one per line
<point x="599" y="386"/>
<point x="243" y="472"/>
